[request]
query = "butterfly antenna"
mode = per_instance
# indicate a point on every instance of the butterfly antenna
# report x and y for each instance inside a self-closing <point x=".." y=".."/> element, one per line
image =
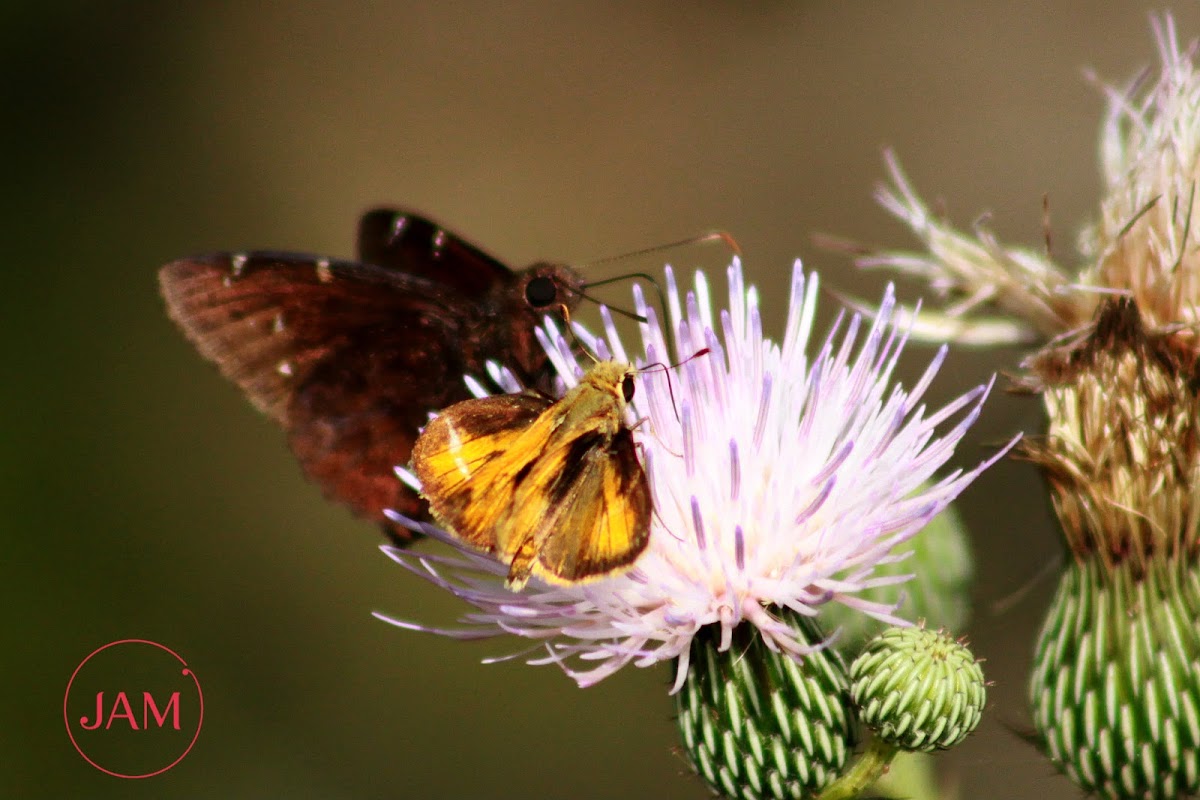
<point x="712" y="236"/>
<point x="667" y="370"/>
<point x="575" y="340"/>
<point x="623" y="312"/>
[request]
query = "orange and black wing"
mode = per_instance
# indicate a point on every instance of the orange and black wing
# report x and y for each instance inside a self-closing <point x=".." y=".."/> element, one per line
<point x="591" y="517"/>
<point x="471" y="459"/>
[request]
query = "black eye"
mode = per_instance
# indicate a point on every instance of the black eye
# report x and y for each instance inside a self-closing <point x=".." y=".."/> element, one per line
<point x="540" y="292"/>
<point x="627" y="388"/>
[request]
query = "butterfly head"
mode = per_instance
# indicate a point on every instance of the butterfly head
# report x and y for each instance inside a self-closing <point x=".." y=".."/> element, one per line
<point x="615" y="378"/>
<point x="544" y="287"/>
<point x="538" y="290"/>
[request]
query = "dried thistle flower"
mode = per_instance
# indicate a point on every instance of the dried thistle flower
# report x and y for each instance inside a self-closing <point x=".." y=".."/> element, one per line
<point x="1142" y="246"/>
<point x="1115" y="689"/>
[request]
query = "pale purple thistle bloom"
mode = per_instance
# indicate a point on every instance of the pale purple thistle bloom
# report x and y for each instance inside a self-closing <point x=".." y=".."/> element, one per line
<point x="777" y="482"/>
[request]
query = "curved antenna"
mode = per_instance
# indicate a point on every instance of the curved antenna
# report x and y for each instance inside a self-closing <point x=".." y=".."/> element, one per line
<point x="711" y="236"/>
<point x="667" y="371"/>
<point x="575" y="340"/>
<point x="616" y="309"/>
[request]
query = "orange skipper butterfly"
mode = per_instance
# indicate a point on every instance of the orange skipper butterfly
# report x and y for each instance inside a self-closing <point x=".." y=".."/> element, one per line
<point x="552" y="488"/>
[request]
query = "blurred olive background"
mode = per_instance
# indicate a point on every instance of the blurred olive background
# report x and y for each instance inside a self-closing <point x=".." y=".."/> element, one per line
<point x="143" y="497"/>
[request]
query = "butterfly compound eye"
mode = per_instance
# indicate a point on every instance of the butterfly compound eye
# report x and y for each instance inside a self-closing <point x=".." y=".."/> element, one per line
<point x="627" y="388"/>
<point x="540" y="292"/>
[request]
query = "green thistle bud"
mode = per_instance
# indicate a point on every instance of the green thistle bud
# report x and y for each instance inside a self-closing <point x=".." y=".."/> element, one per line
<point x="939" y="593"/>
<point x="1116" y="680"/>
<point x="757" y="723"/>
<point x="918" y="689"/>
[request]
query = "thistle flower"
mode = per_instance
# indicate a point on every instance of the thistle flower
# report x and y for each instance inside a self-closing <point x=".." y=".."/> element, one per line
<point x="1141" y="246"/>
<point x="1115" y="689"/>
<point x="780" y="483"/>
<point x="1122" y="453"/>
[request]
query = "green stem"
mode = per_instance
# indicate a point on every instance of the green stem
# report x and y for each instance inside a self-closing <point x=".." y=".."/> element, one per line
<point x="868" y="769"/>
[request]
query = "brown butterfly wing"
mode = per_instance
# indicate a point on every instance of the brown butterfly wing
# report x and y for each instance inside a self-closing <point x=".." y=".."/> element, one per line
<point x="404" y="241"/>
<point x="348" y="357"/>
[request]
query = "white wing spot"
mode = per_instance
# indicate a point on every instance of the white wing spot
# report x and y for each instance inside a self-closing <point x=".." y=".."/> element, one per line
<point x="277" y="326"/>
<point x="284" y="368"/>
<point x="237" y="264"/>
<point x="456" y="449"/>
<point x="397" y="228"/>
<point x="324" y="273"/>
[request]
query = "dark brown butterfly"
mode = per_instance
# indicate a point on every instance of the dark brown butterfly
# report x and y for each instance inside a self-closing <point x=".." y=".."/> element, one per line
<point x="349" y="357"/>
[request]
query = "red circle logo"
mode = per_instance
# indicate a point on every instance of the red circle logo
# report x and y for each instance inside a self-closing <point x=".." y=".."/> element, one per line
<point x="133" y="708"/>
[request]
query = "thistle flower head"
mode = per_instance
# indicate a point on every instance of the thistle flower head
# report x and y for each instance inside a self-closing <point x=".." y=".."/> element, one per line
<point x="780" y="480"/>
<point x="1116" y="680"/>
<point x="1143" y="245"/>
<point x="1122" y="452"/>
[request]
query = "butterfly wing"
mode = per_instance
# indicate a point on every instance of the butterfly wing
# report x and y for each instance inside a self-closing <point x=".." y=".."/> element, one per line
<point x="401" y="240"/>
<point x="592" y="515"/>
<point x="349" y="357"/>
<point x="471" y="458"/>
<point x="550" y="488"/>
